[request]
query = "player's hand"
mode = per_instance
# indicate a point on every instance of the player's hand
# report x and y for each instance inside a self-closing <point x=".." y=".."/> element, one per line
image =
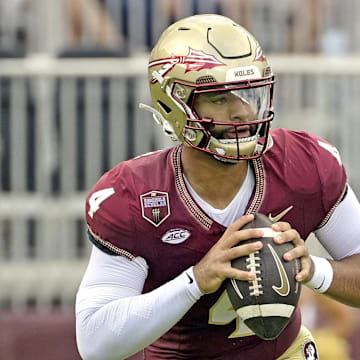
<point x="215" y="266"/>
<point x="299" y="251"/>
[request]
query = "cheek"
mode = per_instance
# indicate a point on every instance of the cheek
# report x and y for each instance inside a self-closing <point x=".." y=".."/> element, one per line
<point x="200" y="109"/>
<point x="208" y="111"/>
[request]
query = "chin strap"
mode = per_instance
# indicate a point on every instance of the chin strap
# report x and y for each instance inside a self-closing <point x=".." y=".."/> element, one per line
<point x="160" y="120"/>
<point x="259" y="147"/>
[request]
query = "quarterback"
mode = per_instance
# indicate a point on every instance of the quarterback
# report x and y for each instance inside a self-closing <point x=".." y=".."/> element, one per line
<point x="164" y="225"/>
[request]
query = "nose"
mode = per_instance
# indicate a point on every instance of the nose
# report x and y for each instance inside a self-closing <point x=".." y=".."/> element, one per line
<point x="240" y="111"/>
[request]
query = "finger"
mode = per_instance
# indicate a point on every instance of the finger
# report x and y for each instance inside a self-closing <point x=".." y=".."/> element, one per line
<point x="238" y="236"/>
<point x="301" y="275"/>
<point x="239" y="223"/>
<point x="295" y="253"/>
<point x="243" y="250"/>
<point x="287" y="236"/>
<point x="281" y="226"/>
<point x="237" y="274"/>
<point x="305" y="270"/>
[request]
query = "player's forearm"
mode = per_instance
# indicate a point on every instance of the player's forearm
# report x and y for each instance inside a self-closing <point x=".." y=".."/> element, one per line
<point x="340" y="238"/>
<point x="345" y="286"/>
<point x="124" y="326"/>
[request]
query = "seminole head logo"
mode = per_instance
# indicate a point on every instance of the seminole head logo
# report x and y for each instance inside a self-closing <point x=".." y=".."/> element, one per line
<point x="195" y="60"/>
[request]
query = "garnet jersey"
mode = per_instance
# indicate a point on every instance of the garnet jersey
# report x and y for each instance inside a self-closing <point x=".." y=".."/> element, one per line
<point x="143" y="208"/>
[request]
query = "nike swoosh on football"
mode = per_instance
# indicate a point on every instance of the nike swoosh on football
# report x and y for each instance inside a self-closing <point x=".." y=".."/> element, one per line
<point x="281" y="215"/>
<point x="284" y="288"/>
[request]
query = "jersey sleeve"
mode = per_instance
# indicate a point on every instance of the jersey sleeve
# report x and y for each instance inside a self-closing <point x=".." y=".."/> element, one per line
<point x="109" y="214"/>
<point x="331" y="173"/>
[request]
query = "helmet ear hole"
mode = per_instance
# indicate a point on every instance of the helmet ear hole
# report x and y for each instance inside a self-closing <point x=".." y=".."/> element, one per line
<point x="164" y="107"/>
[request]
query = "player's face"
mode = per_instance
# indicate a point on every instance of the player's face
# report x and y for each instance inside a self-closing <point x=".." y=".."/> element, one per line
<point x="227" y="107"/>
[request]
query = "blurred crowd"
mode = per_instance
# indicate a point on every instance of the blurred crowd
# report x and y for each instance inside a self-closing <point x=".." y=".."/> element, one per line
<point x="286" y="26"/>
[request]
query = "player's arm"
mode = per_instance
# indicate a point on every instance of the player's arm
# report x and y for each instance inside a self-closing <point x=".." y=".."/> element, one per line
<point x="341" y="238"/>
<point x="345" y="286"/>
<point x="114" y="320"/>
<point x="338" y="278"/>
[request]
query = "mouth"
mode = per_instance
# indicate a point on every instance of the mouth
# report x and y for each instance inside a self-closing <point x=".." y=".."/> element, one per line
<point x="238" y="132"/>
<point x="241" y="134"/>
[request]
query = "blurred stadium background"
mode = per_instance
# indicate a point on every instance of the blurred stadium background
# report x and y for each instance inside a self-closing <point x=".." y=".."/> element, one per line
<point x="72" y="73"/>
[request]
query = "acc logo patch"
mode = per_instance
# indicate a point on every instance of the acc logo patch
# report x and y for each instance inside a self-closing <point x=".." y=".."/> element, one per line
<point x="175" y="236"/>
<point x="155" y="207"/>
<point x="309" y="351"/>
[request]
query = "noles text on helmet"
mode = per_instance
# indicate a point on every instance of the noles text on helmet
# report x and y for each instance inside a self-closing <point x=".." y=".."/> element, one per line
<point x="194" y="68"/>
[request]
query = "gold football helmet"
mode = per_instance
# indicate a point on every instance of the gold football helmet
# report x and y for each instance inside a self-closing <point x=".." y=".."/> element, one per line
<point x="206" y="56"/>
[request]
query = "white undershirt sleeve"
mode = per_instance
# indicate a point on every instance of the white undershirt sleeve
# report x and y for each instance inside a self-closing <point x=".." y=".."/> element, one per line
<point x="113" y="319"/>
<point x="340" y="235"/>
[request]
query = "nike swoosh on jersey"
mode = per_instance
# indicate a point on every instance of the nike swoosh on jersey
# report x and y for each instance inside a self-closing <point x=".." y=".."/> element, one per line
<point x="281" y="215"/>
<point x="284" y="288"/>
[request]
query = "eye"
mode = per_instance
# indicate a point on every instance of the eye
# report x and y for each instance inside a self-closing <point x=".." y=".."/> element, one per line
<point x="218" y="100"/>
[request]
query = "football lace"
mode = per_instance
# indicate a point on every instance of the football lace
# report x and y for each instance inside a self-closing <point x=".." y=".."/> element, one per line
<point x="253" y="265"/>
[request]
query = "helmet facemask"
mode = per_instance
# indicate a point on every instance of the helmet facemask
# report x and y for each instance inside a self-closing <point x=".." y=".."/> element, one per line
<point x="237" y="126"/>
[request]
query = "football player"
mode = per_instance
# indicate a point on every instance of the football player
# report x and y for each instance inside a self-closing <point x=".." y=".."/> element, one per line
<point x="164" y="224"/>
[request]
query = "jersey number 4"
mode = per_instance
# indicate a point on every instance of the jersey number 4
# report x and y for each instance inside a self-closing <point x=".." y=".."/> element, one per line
<point x="222" y="313"/>
<point x="97" y="198"/>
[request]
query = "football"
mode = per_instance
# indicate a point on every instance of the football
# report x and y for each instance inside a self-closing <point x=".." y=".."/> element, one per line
<point x="266" y="303"/>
